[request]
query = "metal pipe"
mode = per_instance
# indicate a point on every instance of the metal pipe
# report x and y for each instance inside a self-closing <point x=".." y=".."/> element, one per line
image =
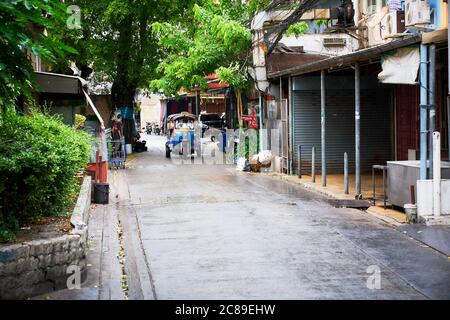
<point x="448" y="70"/>
<point x="357" y="131"/>
<point x="197" y="103"/>
<point x="299" y="155"/>
<point x="280" y="151"/>
<point x="291" y="126"/>
<point x="432" y="102"/>
<point x="323" y="123"/>
<point x="346" y="173"/>
<point x="373" y="186"/>
<point x="423" y="110"/>
<point x="313" y="164"/>
<point x="437" y="174"/>
<point x="260" y="123"/>
<point x="384" y="189"/>
<point x="448" y="124"/>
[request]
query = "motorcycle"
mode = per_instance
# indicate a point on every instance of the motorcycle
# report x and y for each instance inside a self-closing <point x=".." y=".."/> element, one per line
<point x="157" y="130"/>
<point x="148" y="128"/>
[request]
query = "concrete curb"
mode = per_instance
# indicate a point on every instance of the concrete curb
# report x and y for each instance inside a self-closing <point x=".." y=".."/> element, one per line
<point x="80" y="213"/>
<point x="331" y="195"/>
<point x="41" y="266"/>
<point x="386" y="219"/>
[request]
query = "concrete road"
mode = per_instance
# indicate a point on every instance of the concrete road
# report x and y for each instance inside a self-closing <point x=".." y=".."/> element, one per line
<point x="209" y="232"/>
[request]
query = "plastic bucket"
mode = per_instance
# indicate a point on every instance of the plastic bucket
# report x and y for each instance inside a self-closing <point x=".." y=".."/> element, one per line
<point x="411" y="212"/>
<point x="129" y="148"/>
<point x="101" y="193"/>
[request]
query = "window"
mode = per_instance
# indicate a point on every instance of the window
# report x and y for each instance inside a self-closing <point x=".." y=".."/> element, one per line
<point x="185" y="124"/>
<point x="374" y="6"/>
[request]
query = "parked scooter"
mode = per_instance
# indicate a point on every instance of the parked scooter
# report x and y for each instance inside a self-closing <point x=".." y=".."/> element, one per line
<point x="157" y="129"/>
<point x="149" y="128"/>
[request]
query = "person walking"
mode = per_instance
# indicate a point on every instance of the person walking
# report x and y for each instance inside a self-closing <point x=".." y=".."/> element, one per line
<point x="116" y="132"/>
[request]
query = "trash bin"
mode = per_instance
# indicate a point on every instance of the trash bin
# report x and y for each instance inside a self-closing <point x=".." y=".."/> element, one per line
<point x="101" y="193"/>
<point x="411" y="213"/>
<point x="129" y="148"/>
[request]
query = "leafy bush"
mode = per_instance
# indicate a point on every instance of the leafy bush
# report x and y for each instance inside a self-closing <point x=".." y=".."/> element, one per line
<point x="39" y="157"/>
<point x="79" y="121"/>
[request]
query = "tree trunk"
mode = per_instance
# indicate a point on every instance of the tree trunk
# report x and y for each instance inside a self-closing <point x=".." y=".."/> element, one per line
<point x="124" y="88"/>
<point x="123" y="96"/>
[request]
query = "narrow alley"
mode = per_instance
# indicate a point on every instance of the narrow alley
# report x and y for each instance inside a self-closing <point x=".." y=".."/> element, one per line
<point x="209" y="232"/>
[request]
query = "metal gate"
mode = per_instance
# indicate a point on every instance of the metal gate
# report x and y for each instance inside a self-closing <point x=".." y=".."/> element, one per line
<point x="376" y="125"/>
<point x="284" y="145"/>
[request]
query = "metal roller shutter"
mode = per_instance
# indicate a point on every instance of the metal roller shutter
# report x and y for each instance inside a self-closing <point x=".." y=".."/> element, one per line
<point x="376" y="128"/>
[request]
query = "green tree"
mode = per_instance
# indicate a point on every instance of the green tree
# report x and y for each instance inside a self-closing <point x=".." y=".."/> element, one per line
<point x="215" y="39"/>
<point x="22" y="23"/>
<point x="115" y="39"/>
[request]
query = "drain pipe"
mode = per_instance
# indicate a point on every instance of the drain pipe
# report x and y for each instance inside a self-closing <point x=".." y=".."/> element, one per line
<point x="291" y="126"/>
<point x="448" y="95"/>
<point x="437" y="174"/>
<point x="323" y="129"/>
<point x="432" y="102"/>
<point x="357" y="131"/>
<point x="260" y="115"/>
<point x="423" y="110"/>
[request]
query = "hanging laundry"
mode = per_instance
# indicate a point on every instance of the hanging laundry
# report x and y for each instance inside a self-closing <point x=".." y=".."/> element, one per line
<point x="395" y="5"/>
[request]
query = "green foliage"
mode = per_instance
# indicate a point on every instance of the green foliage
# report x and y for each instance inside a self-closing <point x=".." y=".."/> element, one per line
<point x="320" y="23"/>
<point x="21" y="26"/>
<point x="79" y="121"/>
<point x="213" y="38"/>
<point x="297" y="29"/>
<point x="235" y="76"/>
<point x="116" y="38"/>
<point x="39" y="157"/>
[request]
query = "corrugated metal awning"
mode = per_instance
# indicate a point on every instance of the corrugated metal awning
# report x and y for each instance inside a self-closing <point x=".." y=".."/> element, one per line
<point x="58" y="83"/>
<point x="348" y="59"/>
<point x="438" y="36"/>
<point x="280" y="61"/>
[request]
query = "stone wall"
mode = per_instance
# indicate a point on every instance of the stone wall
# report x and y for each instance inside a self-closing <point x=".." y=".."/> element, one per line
<point x="40" y="266"/>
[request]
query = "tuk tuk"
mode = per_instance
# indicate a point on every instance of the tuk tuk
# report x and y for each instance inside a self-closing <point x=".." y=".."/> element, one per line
<point x="180" y="133"/>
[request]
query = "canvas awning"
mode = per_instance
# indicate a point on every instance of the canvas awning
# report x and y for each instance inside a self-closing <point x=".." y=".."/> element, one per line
<point x="400" y="66"/>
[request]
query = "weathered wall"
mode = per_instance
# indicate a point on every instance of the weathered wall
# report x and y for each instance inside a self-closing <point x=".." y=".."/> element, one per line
<point x="150" y="110"/>
<point x="40" y="266"/>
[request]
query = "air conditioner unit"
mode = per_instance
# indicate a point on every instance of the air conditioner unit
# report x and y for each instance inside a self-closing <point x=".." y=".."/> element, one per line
<point x="417" y="12"/>
<point x="393" y="23"/>
<point x="438" y="15"/>
<point x="334" y="42"/>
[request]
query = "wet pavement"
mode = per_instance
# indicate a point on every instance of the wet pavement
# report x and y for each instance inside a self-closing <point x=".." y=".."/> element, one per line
<point x="437" y="237"/>
<point x="210" y="232"/>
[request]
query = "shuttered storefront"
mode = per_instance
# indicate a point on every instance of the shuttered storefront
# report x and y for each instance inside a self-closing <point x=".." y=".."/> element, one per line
<point x="407" y="117"/>
<point x="376" y="122"/>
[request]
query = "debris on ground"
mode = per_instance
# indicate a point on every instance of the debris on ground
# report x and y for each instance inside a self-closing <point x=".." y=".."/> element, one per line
<point x="122" y="257"/>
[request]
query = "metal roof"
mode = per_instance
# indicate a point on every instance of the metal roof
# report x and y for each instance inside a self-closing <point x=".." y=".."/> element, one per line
<point x="348" y="59"/>
<point x="280" y="61"/>
<point x="58" y="83"/>
<point x="182" y="115"/>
